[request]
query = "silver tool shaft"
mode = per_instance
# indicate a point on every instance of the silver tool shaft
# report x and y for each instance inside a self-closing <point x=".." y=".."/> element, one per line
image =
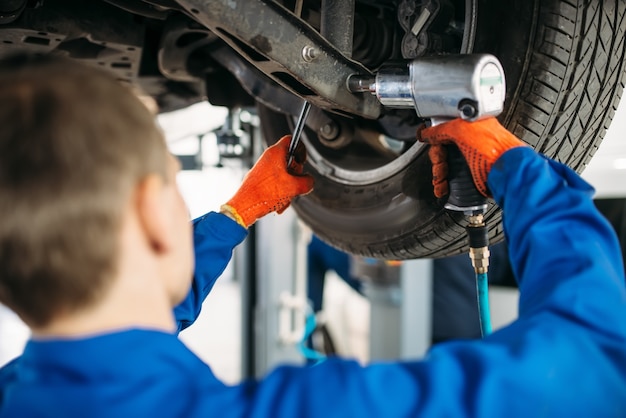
<point x="470" y="86"/>
<point x="297" y="132"/>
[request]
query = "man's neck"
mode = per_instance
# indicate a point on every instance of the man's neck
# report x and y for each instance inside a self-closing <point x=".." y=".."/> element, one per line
<point x="129" y="304"/>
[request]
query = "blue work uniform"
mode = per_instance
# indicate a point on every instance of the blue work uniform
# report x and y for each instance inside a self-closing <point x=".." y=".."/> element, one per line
<point x="564" y="356"/>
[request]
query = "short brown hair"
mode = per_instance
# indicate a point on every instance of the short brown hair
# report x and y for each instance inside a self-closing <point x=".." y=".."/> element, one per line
<point x="73" y="143"/>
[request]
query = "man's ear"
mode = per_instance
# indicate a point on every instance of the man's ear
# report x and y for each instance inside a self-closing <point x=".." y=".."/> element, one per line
<point x="152" y="212"/>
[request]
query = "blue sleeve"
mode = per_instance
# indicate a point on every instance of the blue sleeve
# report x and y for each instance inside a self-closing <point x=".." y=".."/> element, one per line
<point x="564" y="356"/>
<point x="8" y="375"/>
<point x="214" y="235"/>
<point x="566" y="256"/>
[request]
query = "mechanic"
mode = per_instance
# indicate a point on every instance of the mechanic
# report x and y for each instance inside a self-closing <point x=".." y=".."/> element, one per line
<point x="95" y="252"/>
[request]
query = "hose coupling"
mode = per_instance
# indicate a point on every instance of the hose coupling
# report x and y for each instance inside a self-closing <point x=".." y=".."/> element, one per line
<point x="480" y="259"/>
<point x="478" y="237"/>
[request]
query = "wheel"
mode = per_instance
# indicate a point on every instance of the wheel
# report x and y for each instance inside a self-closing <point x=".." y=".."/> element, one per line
<point x="564" y="62"/>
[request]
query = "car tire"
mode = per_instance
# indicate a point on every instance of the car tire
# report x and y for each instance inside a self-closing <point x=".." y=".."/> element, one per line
<point x="564" y="62"/>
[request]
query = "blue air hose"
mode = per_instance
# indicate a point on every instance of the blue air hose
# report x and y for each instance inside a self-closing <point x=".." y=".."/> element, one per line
<point x="478" y="238"/>
<point x="309" y="327"/>
<point x="482" y="287"/>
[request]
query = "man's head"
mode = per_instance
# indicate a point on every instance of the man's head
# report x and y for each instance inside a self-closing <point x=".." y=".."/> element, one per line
<point x="76" y="148"/>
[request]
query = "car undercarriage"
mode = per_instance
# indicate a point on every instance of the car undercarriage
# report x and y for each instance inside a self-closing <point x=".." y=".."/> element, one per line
<point x="564" y="65"/>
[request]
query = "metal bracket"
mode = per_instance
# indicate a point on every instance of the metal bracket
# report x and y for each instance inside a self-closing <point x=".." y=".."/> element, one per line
<point x="287" y="50"/>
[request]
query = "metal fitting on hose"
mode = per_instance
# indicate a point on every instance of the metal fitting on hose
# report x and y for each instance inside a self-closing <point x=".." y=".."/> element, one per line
<point x="480" y="259"/>
<point x="479" y="243"/>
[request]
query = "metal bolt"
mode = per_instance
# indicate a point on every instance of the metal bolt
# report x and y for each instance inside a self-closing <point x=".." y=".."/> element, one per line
<point x="329" y="131"/>
<point x="309" y="53"/>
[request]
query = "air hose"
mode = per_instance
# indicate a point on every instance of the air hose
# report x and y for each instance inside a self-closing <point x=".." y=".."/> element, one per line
<point x="479" y="254"/>
<point x="310" y="324"/>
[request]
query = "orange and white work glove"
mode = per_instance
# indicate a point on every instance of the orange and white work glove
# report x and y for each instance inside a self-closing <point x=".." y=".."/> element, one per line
<point x="268" y="186"/>
<point x="481" y="143"/>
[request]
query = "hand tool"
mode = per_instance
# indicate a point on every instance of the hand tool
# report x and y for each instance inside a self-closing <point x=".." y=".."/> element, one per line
<point x="297" y="132"/>
<point x="441" y="88"/>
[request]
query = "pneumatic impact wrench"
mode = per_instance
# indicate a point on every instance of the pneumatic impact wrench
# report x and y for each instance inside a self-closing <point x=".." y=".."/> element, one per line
<point x="441" y="88"/>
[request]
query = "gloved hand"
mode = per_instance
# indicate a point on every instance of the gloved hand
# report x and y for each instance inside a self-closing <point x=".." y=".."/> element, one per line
<point x="268" y="187"/>
<point x="481" y="143"/>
